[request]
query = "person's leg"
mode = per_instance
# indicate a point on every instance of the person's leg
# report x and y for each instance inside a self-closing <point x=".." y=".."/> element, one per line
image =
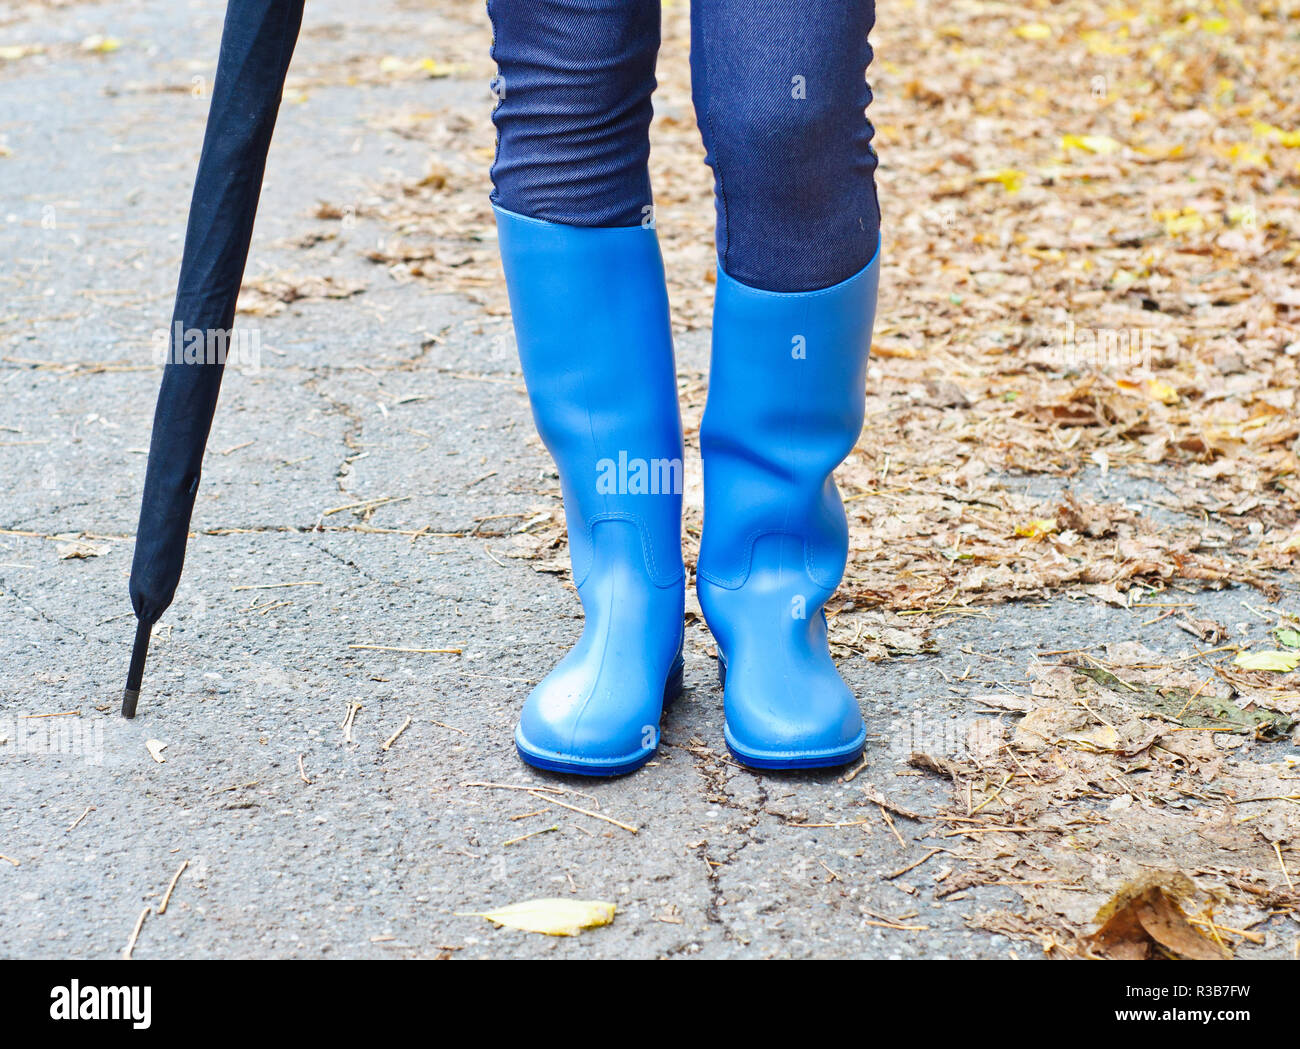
<point x="574" y="80"/>
<point x="780" y="97"/>
<point x="590" y="310"/>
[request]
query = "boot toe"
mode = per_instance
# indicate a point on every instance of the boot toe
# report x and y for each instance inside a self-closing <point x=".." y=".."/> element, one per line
<point x="819" y="727"/>
<point x="583" y="728"/>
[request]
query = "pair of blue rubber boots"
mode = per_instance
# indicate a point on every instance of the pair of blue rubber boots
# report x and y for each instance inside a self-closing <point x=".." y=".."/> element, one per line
<point x="785" y="407"/>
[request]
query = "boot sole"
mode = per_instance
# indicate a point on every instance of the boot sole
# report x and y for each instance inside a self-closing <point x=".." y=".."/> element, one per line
<point x="796" y="760"/>
<point x="552" y="762"/>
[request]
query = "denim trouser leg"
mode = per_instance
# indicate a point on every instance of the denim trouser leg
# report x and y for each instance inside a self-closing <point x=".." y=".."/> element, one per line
<point x="780" y="94"/>
<point x="573" y="120"/>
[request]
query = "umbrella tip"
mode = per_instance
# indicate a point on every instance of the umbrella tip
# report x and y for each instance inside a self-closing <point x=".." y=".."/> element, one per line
<point x="134" y="676"/>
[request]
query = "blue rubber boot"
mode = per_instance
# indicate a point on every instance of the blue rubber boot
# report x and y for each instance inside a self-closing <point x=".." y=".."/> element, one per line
<point x="785" y="407"/>
<point x="590" y="311"/>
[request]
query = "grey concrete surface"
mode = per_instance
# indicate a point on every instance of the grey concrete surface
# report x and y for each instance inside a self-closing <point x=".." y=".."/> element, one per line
<point x="384" y="850"/>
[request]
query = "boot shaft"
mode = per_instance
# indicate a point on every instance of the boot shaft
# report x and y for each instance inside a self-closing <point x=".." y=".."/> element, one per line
<point x="590" y="310"/>
<point x="786" y="401"/>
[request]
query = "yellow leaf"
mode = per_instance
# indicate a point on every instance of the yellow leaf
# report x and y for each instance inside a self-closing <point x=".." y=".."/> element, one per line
<point x="1162" y="391"/>
<point x="13" y="52"/>
<point x="1242" y="214"/>
<point x="1268" y="659"/>
<point x="1178" y="222"/>
<point x="1098" y="44"/>
<point x="430" y="67"/>
<point x="1242" y="154"/>
<point x="1036" y="528"/>
<point x="553" y="917"/>
<point x="1010" y="178"/>
<point x="1034" y="31"/>
<point x="1092" y="143"/>
<point x="1290" y="139"/>
<point x="1162" y="152"/>
<point x="100" y="44"/>
<point x="437" y="69"/>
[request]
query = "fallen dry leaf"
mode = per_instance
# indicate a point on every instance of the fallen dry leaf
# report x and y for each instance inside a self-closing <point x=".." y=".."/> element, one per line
<point x="76" y="550"/>
<point x="553" y="917"/>
<point x="1268" y="659"/>
<point x="1144" y="920"/>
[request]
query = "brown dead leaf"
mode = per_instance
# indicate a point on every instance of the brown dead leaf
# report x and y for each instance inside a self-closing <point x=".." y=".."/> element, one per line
<point x="1144" y="920"/>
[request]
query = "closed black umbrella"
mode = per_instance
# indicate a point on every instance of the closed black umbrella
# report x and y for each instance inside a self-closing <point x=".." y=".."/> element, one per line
<point x="256" y="45"/>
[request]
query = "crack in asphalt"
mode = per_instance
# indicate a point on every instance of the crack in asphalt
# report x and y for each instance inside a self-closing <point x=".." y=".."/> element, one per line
<point x="712" y="770"/>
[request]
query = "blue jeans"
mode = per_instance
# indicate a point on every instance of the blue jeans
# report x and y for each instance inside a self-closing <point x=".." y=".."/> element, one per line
<point x="780" y="95"/>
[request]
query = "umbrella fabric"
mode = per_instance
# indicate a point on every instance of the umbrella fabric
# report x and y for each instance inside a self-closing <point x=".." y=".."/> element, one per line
<point x="256" y="45"/>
